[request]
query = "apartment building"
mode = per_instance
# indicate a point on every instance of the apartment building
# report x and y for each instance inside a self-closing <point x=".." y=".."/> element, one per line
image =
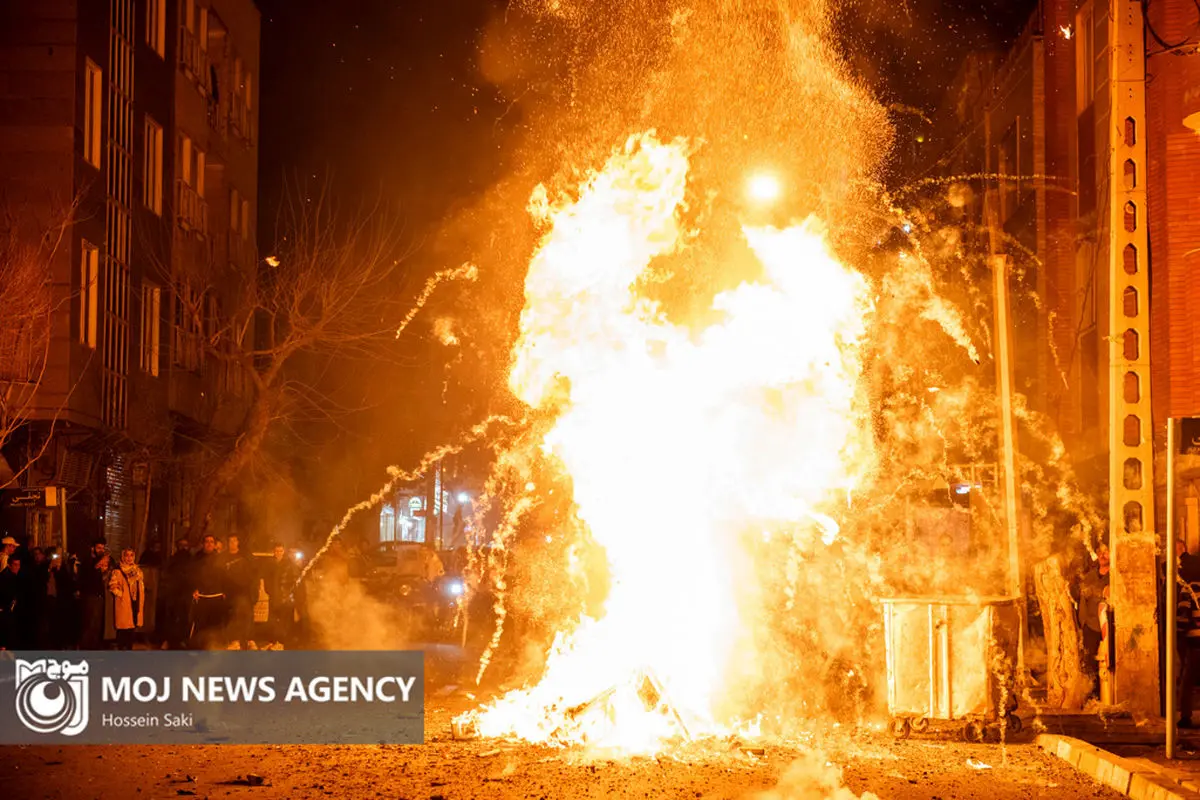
<point x="136" y="121"/>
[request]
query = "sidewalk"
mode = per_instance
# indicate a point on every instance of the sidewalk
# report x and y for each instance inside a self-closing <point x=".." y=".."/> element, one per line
<point x="1137" y="771"/>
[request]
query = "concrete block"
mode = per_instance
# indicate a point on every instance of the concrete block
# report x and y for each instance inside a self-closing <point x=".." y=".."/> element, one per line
<point x="1088" y="762"/>
<point x="1104" y="771"/>
<point x="1141" y="787"/>
<point x="1120" y="776"/>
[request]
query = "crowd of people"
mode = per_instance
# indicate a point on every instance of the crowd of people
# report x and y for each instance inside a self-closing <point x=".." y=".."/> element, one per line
<point x="198" y="600"/>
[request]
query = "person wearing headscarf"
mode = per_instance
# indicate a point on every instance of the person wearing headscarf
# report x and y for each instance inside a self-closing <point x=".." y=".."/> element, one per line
<point x="128" y="589"/>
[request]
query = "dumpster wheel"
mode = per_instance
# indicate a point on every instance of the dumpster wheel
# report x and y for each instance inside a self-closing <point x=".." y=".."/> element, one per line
<point x="899" y="727"/>
<point x="972" y="732"/>
<point x="919" y="724"/>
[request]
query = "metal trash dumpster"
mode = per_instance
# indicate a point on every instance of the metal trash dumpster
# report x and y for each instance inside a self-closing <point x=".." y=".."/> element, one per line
<point x="951" y="660"/>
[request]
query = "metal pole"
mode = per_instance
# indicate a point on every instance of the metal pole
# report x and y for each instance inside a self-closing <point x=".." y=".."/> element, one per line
<point x="1008" y="444"/>
<point x="1172" y="590"/>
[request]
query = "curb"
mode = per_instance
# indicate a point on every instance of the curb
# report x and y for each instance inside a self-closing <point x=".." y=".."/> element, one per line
<point x="1130" y="779"/>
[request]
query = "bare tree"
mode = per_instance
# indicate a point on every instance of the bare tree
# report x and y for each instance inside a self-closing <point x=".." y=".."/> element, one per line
<point x="330" y="288"/>
<point x="27" y="305"/>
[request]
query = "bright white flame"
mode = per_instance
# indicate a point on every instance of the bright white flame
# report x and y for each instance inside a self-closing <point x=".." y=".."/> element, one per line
<point x="463" y="497"/>
<point x="773" y="387"/>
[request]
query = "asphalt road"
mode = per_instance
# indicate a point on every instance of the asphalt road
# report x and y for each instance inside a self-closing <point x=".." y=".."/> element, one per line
<point x="444" y="768"/>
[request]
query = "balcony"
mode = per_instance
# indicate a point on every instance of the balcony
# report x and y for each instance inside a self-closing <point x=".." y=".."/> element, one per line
<point x="191" y="211"/>
<point x="193" y="61"/>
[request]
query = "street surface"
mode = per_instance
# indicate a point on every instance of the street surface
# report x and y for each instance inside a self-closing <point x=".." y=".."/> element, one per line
<point x="456" y="770"/>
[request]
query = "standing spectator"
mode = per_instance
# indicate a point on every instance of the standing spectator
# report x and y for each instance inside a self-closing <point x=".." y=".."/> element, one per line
<point x="36" y="589"/>
<point x="49" y="632"/>
<point x="8" y="546"/>
<point x="152" y="556"/>
<point x="10" y="602"/>
<point x="93" y="595"/>
<point x="175" y="597"/>
<point x="208" y="594"/>
<point x="69" y="628"/>
<point x="280" y="583"/>
<point x="241" y="589"/>
<point x="128" y="589"/>
<point x="1092" y="588"/>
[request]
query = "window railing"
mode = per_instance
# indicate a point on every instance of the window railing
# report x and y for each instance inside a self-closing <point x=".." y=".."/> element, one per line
<point x="190" y="209"/>
<point x="192" y="60"/>
<point x="240" y="120"/>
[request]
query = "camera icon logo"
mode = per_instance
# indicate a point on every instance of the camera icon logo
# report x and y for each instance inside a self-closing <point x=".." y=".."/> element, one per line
<point x="52" y="695"/>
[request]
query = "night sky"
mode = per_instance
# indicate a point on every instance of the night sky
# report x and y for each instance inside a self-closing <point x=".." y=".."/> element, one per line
<point x="385" y="98"/>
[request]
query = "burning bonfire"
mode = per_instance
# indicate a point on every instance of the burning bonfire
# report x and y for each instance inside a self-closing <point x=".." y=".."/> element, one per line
<point x="756" y="417"/>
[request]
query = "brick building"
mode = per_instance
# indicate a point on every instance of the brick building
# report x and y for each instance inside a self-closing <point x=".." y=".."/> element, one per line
<point x="1094" y="114"/>
<point x="141" y="116"/>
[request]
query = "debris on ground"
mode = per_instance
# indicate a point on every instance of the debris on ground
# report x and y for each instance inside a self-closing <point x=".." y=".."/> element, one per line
<point x="463" y="729"/>
<point x="489" y="753"/>
<point x="975" y="763"/>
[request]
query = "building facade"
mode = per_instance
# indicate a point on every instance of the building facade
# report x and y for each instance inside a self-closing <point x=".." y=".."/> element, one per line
<point x="1090" y="123"/>
<point x="131" y="126"/>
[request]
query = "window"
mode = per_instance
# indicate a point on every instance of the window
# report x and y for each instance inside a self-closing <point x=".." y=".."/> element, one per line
<point x="89" y="276"/>
<point x="188" y="328"/>
<point x="235" y="209"/>
<point x="156" y="26"/>
<point x="199" y="172"/>
<point x="185" y="159"/>
<point x="191" y="160"/>
<point x="152" y="176"/>
<point x="151" y="310"/>
<point x="246" y="220"/>
<point x="387" y="524"/>
<point x="93" y="92"/>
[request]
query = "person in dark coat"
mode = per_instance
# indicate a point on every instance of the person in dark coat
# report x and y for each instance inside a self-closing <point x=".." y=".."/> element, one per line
<point x="36" y="589"/>
<point x="93" y="595"/>
<point x="280" y="583"/>
<point x="10" y="603"/>
<point x="175" y="597"/>
<point x="208" y="595"/>
<point x="241" y="589"/>
<point x="152" y="556"/>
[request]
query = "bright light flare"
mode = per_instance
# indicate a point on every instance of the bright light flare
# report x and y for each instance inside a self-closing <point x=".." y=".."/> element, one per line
<point x="763" y="187"/>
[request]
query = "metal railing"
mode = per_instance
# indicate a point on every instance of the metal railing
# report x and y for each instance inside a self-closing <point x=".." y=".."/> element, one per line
<point x="191" y="210"/>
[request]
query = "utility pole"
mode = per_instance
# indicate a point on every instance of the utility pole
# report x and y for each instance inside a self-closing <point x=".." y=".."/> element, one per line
<point x="1008" y="433"/>
<point x="1121" y="128"/>
<point x="1171" y="605"/>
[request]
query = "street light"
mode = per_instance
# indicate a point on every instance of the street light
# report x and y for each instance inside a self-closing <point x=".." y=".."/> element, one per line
<point x="464" y="498"/>
<point x="763" y="187"/>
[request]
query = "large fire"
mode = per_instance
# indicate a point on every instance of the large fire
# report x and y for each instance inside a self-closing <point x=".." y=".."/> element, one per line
<point x="750" y="422"/>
